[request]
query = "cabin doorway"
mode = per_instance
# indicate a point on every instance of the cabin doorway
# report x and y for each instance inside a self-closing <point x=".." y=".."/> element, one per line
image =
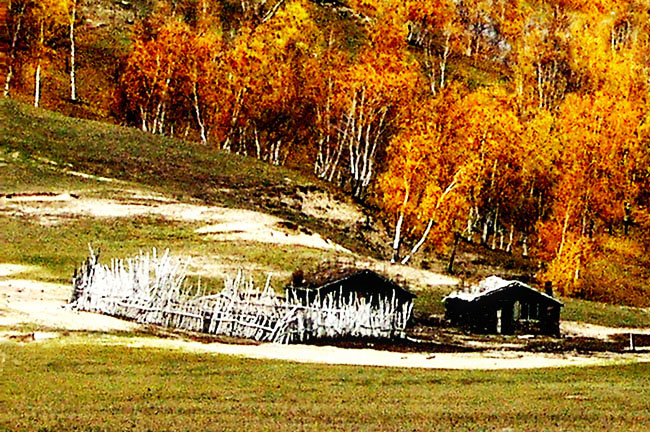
<point x="505" y="321"/>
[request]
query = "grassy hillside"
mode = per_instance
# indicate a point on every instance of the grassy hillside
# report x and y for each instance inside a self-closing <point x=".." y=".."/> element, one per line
<point x="40" y="151"/>
<point x="185" y="170"/>
<point x="130" y="155"/>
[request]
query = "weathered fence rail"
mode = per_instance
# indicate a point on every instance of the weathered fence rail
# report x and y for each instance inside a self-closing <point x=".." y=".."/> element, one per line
<point x="150" y="289"/>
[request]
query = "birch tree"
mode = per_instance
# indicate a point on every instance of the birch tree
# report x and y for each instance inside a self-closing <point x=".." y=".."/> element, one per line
<point x="72" y="14"/>
<point x="17" y="14"/>
<point x="600" y="151"/>
<point x="434" y="28"/>
<point x="487" y="120"/>
<point x="262" y="92"/>
<point x="428" y="179"/>
<point x="324" y="90"/>
<point x="377" y="89"/>
<point x="201" y="78"/>
<point x="46" y="17"/>
<point x="259" y="11"/>
<point x="152" y="78"/>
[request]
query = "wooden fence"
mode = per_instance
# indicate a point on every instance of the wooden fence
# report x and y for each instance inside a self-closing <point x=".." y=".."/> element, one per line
<point x="150" y="289"/>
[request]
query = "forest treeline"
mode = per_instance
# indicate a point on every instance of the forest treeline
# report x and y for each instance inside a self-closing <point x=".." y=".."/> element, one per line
<point x="518" y="124"/>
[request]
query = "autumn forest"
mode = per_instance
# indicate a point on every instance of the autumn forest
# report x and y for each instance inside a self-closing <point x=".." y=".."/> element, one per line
<point x="518" y="124"/>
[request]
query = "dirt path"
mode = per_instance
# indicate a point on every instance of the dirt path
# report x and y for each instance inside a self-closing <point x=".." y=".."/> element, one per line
<point x="490" y="360"/>
<point x="572" y="328"/>
<point x="221" y="224"/>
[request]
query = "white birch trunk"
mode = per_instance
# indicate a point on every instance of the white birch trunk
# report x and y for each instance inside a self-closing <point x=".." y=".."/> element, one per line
<point x="449" y="189"/>
<point x="486" y="231"/>
<point x="525" y="246"/>
<point x="494" y="229"/>
<point x="443" y="62"/>
<point x="37" y="84"/>
<point x="398" y="229"/>
<point x="37" y="77"/>
<point x="510" y="238"/>
<point x="565" y="225"/>
<point x="540" y="92"/>
<point x="420" y="242"/>
<point x="197" y="111"/>
<point x="12" y="56"/>
<point x="143" y="116"/>
<point x="329" y="153"/>
<point x="73" y="84"/>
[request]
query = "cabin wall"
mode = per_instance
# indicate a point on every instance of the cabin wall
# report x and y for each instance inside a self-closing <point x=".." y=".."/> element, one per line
<point x="505" y="314"/>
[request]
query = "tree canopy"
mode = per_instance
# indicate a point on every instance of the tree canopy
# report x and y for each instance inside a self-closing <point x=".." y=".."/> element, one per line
<point x="519" y="125"/>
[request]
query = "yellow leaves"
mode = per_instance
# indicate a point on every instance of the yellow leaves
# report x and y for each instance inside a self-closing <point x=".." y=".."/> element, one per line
<point x="292" y="25"/>
<point x="429" y="166"/>
<point x="565" y="270"/>
<point x="53" y="9"/>
<point x="432" y="13"/>
<point x="599" y="138"/>
<point x="487" y="121"/>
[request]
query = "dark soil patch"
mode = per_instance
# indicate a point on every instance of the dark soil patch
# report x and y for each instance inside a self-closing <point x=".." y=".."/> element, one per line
<point x="581" y="345"/>
<point x="425" y="339"/>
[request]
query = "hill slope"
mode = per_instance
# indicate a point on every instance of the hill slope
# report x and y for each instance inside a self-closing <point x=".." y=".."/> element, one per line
<point x="75" y="182"/>
<point x="66" y="183"/>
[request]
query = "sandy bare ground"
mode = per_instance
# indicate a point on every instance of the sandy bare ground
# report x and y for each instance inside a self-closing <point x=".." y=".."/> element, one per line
<point x="222" y="224"/>
<point x="42" y="304"/>
<point x="218" y="223"/>
<point x="491" y="360"/>
<point x="488" y="360"/>
<point x="572" y="328"/>
<point x="28" y="302"/>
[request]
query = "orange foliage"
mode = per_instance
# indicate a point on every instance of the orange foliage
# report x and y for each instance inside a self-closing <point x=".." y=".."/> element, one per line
<point x="520" y="121"/>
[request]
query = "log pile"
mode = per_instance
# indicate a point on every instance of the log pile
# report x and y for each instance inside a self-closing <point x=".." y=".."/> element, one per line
<point x="151" y="289"/>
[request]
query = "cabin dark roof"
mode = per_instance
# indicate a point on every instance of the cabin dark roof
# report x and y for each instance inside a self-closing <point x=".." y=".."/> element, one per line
<point x="494" y="286"/>
<point x="333" y="279"/>
<point x="365" y="274"/>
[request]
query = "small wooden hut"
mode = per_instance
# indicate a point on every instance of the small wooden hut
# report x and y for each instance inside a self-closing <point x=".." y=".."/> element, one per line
<point x="504" y="307"/>
<point x="349" y="283"/>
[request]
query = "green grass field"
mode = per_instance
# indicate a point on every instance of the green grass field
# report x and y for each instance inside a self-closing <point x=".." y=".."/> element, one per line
<point x="605" y="314"/>
<point x="57" y="386"/>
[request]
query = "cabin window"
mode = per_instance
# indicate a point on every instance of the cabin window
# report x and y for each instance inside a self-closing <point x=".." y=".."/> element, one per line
<point x="528" y="311"/>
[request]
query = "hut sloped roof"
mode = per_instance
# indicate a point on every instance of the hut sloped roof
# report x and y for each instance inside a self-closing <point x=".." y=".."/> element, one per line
<point x="330" y="278"/>
<point x="337" y="281"/>
<point x="493" y="285"/>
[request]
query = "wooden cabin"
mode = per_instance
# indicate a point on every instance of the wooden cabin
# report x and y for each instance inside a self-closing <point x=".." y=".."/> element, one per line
<point x="348" y="284"/>
<point x="504" y="307"/>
